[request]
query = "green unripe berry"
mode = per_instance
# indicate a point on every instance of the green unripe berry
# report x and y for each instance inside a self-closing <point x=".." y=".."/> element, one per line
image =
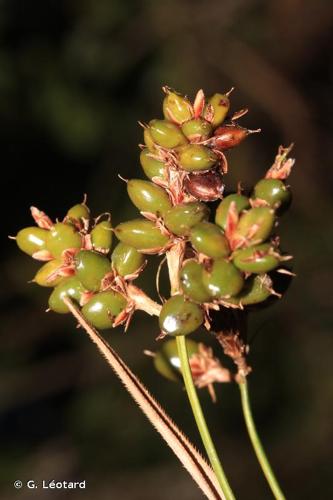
<point x="191" y="282"/>
<point x="256" y="224"/>
<point x="179" y="316"/>
<point x="141" y="234"/>
<point x="167" y="362"/>
<point x="242" y="202"/>
<point x="222" y="279"/>
<point x="197" y="130"/>
<point x="151" y="166"/>
<point x="257" y="288"/>
<point x="69" y="287"/>
<point x="91" y="267"/>
<point x="177" y="108"/>
<point x="79" y="211"/>
<point x="196" y="158"/>
<point x="101" y="236"/>
<point x="149" y="141"/>
<point x="126" y="259"/>
<point x="273" y="191"/>
<point x="256" y="259"/>
<point x="221" y="105"/>
<point x="148" y="197"/>
<point x="166" y="134"/>
<point x="62" y="237"/>
<point x="208" y="238"/>
<point x="32" y="239"/>
<point x="181" y="218"/>
<point x="103" y="308"/>
<point x="47" y="269"/>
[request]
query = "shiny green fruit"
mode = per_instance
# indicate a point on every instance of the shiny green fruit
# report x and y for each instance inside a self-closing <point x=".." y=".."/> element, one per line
<point x="179" y="316"/>
<point x="257" y="288"/>
<point x="151" y="167"/>
<point x="69" y="287"/>
<point x="101" y="236"/>
<point x="181" y="218"/>
<point x="242" y="202"/>
<point x="273" y="191"/>
<point x="148" y="197"/>
<point x="141" y="234"/>
<point x="32" y="239"/>
<point x="167" y="362"/>
<point x="79" y="211"/>
<point x="191" y="282"/>
<point x="195" y="158"/>
<point x="166" y="134"/>
<point x="208" y="238"/>
<point x="197" y="130"/>
<point x="126" y="259"/>
<point x="62" y="237"/>
<point x="148" y="140"/>
<point x="256" y="224"/>
<point x="44" y="272"/>
<point x="91" y="267"/>
<point x="221" y="105"/>
<point x="222" y="279"/>
<point x="256" y="259"/>
<point x="177" y="108"/>
<point x="103" y="308"/>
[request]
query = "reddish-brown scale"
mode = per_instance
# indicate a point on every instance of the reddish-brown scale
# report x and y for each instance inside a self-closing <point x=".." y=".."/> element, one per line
<point x="205" y="187"/>
<point x="229" y="136"/>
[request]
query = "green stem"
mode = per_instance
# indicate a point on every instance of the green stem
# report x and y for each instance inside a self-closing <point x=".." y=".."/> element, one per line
<point x="200" y="419"/>
<point x="256" y="443"/>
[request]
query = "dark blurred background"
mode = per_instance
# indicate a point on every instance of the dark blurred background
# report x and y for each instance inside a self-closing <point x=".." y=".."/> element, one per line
<point x="75" y="78"/>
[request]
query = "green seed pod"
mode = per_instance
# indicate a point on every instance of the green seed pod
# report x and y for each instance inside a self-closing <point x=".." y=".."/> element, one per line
<point x="167" y="362"/>
<point x="177" y="108"/>
<point x="181" y="218"/>
<point x="62" y="237"/>
<point x="79" y="211"/>
<point x="197" y="130"/>
<point x="103" y="308"/>
<point x="179" y="316"/>
<point x="32" y="239"/>
<point x="221" y="105"/>
<point x="222" y="279"/>
<point x="91" y="267"/>
<point x="149" y="141"/>
<point x="126" y="259"/>
<point x="43" y="273"/>
<point x="207" y="238"/>
<point x="261" y="219"/>
<point x="274" y="192"/>
<point x="151" y="166"/>
<point x="242" y="202"/>
<point x="166" y="134"/>
<point x="191" y="282"/>
<point x="69" y="287"/>
<point x="141" y="234"/>
<point x="256" y="259"/>
<point x="195" y="158"/>
<point x="101" y="236"/>
<point x="148" y="197"/>
<point x="257" y="288"/>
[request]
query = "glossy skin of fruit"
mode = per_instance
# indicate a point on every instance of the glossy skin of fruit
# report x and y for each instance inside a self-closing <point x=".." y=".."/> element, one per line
<point x="181" y="218"/>
<point x="149" y="141"/>
<point x="79" y="211"/>
<point x="43" y="273"/>
<point x="191" y="282"/>
<point x="166" y="134"/>
<point x="256" y="224"/>
<point x="62" y="237"/>
<point x="256" y="259"/>
<point x="70" y="287"/>
<point x="229" y="136"/>
<point x="103" y="308"/>
<point x="208" y="238"/>
<point x="257" y="288"/>
<point x="148" y="197"/>
<point x="197" y="130"/>
<point x="222" y="279"/>
<point x="196" y="158"/>
<point x="273" y="191"/>
<point x="242" y="203"/>
<point x="151" y="167"/>
<point x="177" y="108"/>
<point x="32" y="239"/>
<point x="167" y="362"/>
<point x="91" y="267"/>
<point x="101" y="236"/>
<point x="180" y="317"/>
<point x="141" y="234"/>
<point x="126" y="259"/>
<point x="207" y="186"/>
<point x="221" y="105"/>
